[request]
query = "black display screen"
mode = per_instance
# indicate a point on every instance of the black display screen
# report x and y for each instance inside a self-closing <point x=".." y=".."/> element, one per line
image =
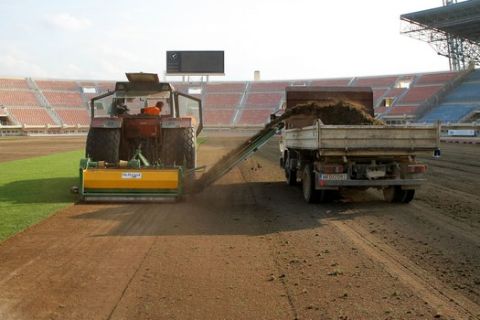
<point x="195" y="62"/>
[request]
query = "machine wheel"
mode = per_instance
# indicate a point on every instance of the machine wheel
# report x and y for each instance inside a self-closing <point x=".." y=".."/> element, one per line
<point x="395" y="194"/>
<point x="291" y="176"/>
<point x="189" y="142"/>
<point x="171" y="147"/>
<point x="103" y="144"/>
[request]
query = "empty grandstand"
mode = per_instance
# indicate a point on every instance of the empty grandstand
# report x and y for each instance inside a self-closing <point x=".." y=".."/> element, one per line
<point x="461" y="104"/>
<point x="53" y="106"/>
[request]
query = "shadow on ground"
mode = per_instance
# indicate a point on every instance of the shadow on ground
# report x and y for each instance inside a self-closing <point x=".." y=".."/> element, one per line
<point x="234" y="209"/>
<point x="53" y="190"/>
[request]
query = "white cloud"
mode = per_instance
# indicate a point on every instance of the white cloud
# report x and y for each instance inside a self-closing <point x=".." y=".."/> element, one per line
<point x="14" y="62"/>
<point x="66" y="21"/>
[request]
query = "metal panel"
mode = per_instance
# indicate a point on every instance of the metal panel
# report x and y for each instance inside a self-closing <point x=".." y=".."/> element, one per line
<point x="363" y="139"/>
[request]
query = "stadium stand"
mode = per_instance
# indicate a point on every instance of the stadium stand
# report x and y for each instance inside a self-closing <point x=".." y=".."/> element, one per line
<point x="466" y="92"/>
<point x="213" y="100"/>
<point x="218" y="117"/>
<point x="257" y="99"/>
<point x="378" y="93"/>
<point x="225" y="87"/>
<point x="13" y="84"/>
<point x="436" y="78"/>
<point x="375" y="82"/>
<point x="449" y="113"/>
<point x="64" y="99"/>
<point x="73" y="117"/>
<point x="459" y="103"/>
<point x="398" y="98"/>
<point x="58" y="85"/>
<point x="254" y="117"/>
<point x="402" y="110"/>
<point x="18" y="98"/>
<point x="331" y="82"/>
<point x="268" y="86"/>
<point x="31" y="116"/>
<point x="416" y="95"/>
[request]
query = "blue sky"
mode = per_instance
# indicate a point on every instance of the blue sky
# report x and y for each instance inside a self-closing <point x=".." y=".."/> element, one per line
<point x="103" y="39"/>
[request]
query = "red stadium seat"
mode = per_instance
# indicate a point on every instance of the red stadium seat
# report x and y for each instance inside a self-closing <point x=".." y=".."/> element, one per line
<point x="13" y="84"/>
<point x="436" y="78"/>
<point x="268" y="86"/>
<point x="60" y="85"/>
<point x="225" y="87"/>
<point x="255" y="117"/>
<point x="218" y="117"/>
<point x="74" y="116"/>
<point x="18" y="98"/>
<point x="331" y="82"/>
<point x="255" y="100"/>
<point x="376" y="82"/>
<point x="64" y="99"/>
<point x="419" y="94"/>
<point x="31" y="116"/>
<point x="222" y="100"/>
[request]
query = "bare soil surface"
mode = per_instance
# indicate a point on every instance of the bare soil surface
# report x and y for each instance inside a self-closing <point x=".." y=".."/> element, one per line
<point x="15" y="148"/>
<point x="249" y="248"/>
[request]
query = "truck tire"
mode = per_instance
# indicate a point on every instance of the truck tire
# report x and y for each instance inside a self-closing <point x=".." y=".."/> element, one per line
<point x="409" y="195"/>
<point x="103" y="145"/>
<point x="310" y="194"/>
<point x="395" y="194"/>
<point x="291" y="177"/>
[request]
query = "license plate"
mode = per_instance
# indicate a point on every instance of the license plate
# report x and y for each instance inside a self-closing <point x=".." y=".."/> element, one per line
<point x="333" y="176"/>
<point x="131" y="175"/>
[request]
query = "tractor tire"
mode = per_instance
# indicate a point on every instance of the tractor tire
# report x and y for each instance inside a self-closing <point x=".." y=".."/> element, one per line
<point x="103" y="145"/>
<point x="189" y="143"/>
<point x="170" y="147"/>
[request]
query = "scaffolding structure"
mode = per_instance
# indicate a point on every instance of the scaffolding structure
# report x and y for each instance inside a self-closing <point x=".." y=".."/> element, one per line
<point x="452" y="30"/>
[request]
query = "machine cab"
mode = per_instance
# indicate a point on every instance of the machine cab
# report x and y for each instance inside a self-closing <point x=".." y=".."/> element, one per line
<point x="143" y="95"/>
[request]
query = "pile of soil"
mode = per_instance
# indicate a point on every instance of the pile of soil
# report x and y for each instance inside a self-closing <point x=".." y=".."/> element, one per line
<point x="334" y="112"/>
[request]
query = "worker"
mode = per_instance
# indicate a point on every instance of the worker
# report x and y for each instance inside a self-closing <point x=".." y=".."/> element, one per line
<point x="120" y="107"/>
<point x="154" y="110"/>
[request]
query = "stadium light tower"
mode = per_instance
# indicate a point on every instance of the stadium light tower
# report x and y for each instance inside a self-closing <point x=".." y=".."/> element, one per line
<point x="453" y="30"/>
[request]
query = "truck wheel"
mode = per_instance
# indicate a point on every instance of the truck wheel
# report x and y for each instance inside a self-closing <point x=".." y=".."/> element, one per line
<point x="291" y="177"/>
<point x="395" y="194"/>
<point x="103" y="145"/>
<point x="310" y="194"/>
<point x="409" y="195"/>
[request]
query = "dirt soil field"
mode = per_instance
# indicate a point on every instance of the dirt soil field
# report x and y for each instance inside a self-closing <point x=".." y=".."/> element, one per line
<point x="250" y="248"/>
<point x="15" y="148"/>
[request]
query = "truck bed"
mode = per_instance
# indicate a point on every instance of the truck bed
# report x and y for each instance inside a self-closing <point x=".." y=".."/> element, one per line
<point x="363" y="140"/>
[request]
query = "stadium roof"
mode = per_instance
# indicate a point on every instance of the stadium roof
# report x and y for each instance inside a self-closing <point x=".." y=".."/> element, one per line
<point x="452" y="30"/>
<point x="461" y="19"/>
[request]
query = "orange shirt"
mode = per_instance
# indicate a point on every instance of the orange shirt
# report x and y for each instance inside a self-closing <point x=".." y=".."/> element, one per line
<point x="153" y="111"/>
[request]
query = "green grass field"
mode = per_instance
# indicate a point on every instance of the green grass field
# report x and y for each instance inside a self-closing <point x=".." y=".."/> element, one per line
<point x="33" y="189"/>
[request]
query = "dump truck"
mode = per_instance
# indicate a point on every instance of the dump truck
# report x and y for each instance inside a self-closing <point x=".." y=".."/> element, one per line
<point x="141" y="145"/>
<point x="347" y="148"/>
